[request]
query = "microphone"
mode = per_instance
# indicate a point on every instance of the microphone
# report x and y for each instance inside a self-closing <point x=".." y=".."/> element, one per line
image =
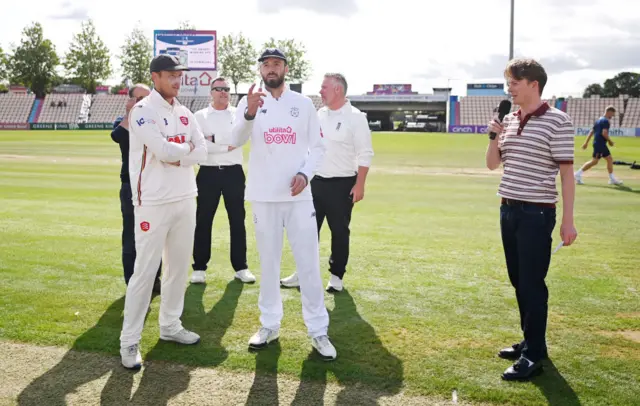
<point x="503" y="109"/>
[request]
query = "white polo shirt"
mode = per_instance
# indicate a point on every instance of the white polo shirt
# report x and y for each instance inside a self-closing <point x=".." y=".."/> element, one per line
<point x="285" y="139"/>
<point x="159" y="133"/>
<point x="218" y="123"/>
<point x="348" y="141"/>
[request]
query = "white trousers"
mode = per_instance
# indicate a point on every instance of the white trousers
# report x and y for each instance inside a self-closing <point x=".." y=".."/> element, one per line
<point x="298" y="218"/>
<point x="166" y="233"/>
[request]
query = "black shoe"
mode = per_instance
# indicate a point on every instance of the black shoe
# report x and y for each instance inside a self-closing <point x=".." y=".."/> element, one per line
<point x="157" y="286"/>
<point x="522" y="370"/>
<point x="512" y="353"/>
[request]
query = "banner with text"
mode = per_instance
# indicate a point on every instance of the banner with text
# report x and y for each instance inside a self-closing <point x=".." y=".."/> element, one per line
<point x="70" y="126"/>
<point x="481" y="129"/>
<point x="14" y="126"/>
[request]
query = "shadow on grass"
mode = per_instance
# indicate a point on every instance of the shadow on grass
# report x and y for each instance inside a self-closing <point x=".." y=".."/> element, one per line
<point x="554" y="387"/>
<point x="620" y="188"/>
<point x="362" y="359"/>
<point x="160" y="381"/>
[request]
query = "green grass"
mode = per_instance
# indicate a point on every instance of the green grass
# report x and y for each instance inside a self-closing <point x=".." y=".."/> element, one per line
<point x="428" y="302"/>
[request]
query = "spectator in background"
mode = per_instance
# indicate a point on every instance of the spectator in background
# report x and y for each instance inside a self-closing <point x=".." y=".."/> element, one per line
<point x="120" y="135"/>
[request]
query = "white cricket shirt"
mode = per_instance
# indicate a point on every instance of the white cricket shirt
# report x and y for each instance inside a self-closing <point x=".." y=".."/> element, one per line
<point x="348" y="141"/>
<point x="285" y="139"/>
<point x="159" y="133"/>
<point x="218" y="123"/>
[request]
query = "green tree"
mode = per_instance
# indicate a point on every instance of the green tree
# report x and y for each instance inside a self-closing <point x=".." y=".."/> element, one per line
<point x="593" y="89"/>
<point x="4" y="66"/>
<point x="622" y="83"/>
<point x="87" y="62"/>
<point x="33" y="62"/>
<point x="136" y="56"/>
<point x="299" y="66"/>
<point x="237" y="58"/>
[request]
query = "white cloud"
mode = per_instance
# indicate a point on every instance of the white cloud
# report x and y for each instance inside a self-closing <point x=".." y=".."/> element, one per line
<point x="424" y="43"/>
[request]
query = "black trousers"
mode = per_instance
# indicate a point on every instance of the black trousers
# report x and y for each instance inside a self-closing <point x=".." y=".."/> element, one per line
<point x="128" y="233"/>
<point x="332" y="199"/>
<point x="214" y="182"/>
<point x="527" y="237"/>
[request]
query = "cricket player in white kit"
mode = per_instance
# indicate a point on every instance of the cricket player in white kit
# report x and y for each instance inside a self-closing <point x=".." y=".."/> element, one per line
<point x="286" y="148"/>
<point x="165" y="143"/>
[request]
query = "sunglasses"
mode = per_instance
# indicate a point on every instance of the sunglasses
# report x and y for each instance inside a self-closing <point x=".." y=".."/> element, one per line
<point x="222" y="89"/>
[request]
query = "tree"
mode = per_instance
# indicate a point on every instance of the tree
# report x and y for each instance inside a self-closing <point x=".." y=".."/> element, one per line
<point x="593" y="89"/>
<point x="299" y="67"/>
<point x="87" y="63"/>
<point x="33" y="63"/>
<point x="136" y="56"/>
<point x="622" y="83"/>
<point x="4" y="66"/>
<point x="186" y="25"/>
<point x="237" y="58"/>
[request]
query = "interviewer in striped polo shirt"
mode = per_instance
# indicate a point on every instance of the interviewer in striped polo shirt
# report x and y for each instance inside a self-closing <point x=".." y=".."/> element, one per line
<point x="533" y="144"/>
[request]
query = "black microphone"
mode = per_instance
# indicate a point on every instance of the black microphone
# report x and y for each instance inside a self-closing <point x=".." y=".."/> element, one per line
<point x="503" y="109"/>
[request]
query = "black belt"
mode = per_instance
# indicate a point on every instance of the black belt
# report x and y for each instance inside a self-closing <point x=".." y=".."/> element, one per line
<point x="513" y="202"/>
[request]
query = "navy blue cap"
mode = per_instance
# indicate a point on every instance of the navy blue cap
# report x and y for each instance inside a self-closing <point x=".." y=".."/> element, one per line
<point x="272" y="53"/>
<point x="166" y="62"/>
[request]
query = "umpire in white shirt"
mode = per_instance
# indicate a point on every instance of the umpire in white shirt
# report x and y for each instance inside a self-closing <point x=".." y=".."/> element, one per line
<point x="221" y="175"/>
<point x="340" y="179"/>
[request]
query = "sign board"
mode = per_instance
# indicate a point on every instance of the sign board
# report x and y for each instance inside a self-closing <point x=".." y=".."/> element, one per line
<point x="14" y="126"/>
<point x="197" y="50"/>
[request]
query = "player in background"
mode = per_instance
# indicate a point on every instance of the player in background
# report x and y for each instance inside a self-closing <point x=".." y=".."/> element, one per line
<point x="165" y="143"/>
<point x="286" y="148"/>
<point x="601" y="138"/>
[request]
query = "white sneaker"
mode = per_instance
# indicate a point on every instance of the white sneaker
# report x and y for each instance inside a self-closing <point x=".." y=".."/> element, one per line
<point x="291" y="281"/>
<point x="324" y="347"/>
<point x="198" y="277"/>
<point x="131" y="358"/>
<point x="245" y="276"/>
<point x="614" y="181"/>
<point x="183" y="336"/>
<point x="579" y="179"/>
<point x="262" y="338"/>
<point x="334" y="285"/>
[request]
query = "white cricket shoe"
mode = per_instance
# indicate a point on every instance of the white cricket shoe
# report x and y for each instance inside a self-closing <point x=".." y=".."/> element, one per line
<point x="290" y="281"/>
<point x="614" y="181"/>
<point x="262" y="338"/>
<point x="198" y="277"/>
<point x="579" y="179"/>
<point x="324" y="347"/>
<point x="183" y="336"/>
<point x="130" y="356"/>
<point x="334" y="285"/>
<point x="245" y="276"/>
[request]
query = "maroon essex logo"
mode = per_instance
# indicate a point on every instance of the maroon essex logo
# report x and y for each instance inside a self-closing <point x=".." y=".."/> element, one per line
<point x="280" y="135"/>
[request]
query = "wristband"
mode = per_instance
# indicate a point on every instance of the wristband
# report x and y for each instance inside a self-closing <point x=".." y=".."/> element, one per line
<point x="492" y="136"/>
<point x="304" y="176"/>
<point x="247" y="116"/>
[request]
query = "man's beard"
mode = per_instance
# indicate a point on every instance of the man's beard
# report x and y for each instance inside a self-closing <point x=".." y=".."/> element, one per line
<point x="273" y="83"/>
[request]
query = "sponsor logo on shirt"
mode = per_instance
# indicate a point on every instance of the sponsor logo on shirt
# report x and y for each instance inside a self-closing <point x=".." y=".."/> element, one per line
<point x="141" y="121"/>
<point x="184" y="120"/>
<point x="280" y="135"/>
<point x="178" y="139"/>
<point x="144" y="226"/>
<point x="166" y="122"/>
<point x="295" y="112"/>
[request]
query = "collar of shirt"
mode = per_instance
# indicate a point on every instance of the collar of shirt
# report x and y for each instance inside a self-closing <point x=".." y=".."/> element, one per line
<point x="346" y="107"/>
<point x="211" y="110"/>
<point x="156" y="99"/>
<point x="537" y="113"/>
<point x="285" y="93"/>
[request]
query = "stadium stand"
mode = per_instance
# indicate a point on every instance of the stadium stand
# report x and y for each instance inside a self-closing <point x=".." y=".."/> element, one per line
<point x="317" y="101"/>
<point x="585" y="112"/>
<point x="15" y="108"/>
<point x="105" y="108"/>
<point x="61" y="108"/>
<point x="478" y="110"/>
<point x="632" y="114"/>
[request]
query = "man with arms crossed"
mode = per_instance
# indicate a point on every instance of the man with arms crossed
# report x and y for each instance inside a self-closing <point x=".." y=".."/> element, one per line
<point x="165" y="143"/>
<point x="120" y="135"/>
<point x="220" y="175"/>
<point x="533" y="144"/>
<point x="340" y="179"/>
<point x="286" y="147"/>
<point x="600" y="150"/>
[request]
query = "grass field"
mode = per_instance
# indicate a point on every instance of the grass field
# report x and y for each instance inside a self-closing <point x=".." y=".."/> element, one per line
<point x="427" y="304"/>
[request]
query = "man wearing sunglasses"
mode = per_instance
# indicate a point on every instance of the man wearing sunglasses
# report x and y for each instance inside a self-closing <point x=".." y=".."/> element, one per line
<point x="220" y="176"/>
<point x="120" y="135"/>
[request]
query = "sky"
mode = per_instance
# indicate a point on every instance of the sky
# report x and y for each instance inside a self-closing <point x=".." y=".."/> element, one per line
<point x="424" y="43"/>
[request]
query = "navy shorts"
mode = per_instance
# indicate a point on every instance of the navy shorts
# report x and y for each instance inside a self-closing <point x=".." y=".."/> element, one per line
<point x="601" y="151"/>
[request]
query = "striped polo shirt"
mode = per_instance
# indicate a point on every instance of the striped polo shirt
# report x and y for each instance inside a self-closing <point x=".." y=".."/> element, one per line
<point x="532" y="148"/>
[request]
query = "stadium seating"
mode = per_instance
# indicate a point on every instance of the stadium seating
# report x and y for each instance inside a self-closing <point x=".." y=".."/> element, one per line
<point x="585" y="111"/>
<point x="632" y="114"/>
<point x="61" y="108"/>
<point x="15" y="108"/>
<point x="478" y="110"/>
<point x="317" y="101"/>
<point x="105" y="108"/>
